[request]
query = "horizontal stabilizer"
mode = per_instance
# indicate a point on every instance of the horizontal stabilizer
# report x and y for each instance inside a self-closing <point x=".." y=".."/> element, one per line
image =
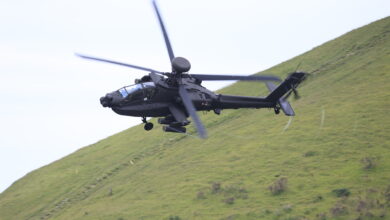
<point x="284" y="104"/>
<point x="286" y="107"/>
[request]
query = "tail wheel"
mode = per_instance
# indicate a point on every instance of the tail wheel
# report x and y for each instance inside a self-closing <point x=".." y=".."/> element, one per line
<point x="277" y="110"/>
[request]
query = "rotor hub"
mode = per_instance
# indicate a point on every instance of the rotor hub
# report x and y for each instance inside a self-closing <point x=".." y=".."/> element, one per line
<point x="180" y="65"/>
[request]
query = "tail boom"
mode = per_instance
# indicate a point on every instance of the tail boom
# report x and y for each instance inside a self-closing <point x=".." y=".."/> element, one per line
<point x="235" y="102"/>
<point x="276" y="99"/>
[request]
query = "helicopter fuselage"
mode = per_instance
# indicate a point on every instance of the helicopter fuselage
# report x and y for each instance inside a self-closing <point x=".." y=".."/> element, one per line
<point x="155" y="99"/>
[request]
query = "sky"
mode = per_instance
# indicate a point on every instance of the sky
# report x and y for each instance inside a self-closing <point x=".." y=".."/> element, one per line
<point x="49" y="104"/>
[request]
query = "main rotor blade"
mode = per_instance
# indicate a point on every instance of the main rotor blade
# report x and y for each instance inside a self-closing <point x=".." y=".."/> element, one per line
<point x="192" y="111"/>
<point x="118" y="63"/>
<point x="167" y="42"/>
<point x="234" y="77"/>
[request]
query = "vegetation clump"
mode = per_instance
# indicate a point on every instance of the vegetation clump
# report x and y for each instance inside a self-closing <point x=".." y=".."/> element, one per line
<point x="310" y="154"/>
<point x="230" y="193"/>
<point x="318" y="198"/>
<point x="386" y="194"/>
<point x="338" y="209"/>
<point x="229" y="200"/>
<point x="174" y="217"/>
<point x="279" y="186"/>
<point x="215" y="187"/>
<point x="343" y="192"/>
<point x="321" y="216"/>
<point x="368" y="163"/>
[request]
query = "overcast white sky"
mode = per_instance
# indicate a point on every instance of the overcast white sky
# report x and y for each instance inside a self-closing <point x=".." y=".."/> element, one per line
<point x="50" y="99"/>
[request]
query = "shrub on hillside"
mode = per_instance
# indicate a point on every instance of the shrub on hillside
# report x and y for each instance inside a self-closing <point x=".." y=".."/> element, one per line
<point x="386" y="194"/>
<point x="279" y="186"/>
<point x="368" y="163"/>
<point x="343" y="192"/>
<point x="229" y="200"/>
<point x="339" y="209"/>
<point x="174" y="217"/>
<point x="321" y="216"/>
<point x="318" y="198"/>
<point x="310" y="154"/>
<point x="215" y="187"/>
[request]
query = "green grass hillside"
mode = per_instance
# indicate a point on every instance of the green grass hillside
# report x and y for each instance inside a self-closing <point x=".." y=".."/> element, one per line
<point x="332" y="162"/>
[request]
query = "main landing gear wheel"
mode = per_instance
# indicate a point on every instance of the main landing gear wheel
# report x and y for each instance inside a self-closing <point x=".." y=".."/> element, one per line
<point x="148" y="125"/>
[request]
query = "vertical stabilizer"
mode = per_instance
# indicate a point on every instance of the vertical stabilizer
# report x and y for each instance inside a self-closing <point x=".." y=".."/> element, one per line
<point x="280" y="93"/>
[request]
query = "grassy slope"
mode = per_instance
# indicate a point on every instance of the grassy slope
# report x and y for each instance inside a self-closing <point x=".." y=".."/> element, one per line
<point x="155" y="175"/>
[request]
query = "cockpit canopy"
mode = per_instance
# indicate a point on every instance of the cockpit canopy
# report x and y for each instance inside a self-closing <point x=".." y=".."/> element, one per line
<point x="140" y="91"/>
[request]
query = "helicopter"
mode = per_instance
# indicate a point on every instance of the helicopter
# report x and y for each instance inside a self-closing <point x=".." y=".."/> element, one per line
<point x="176" y="95"/>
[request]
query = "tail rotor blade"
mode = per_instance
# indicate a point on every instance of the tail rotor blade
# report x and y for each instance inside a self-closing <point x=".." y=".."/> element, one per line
<point x="297" y="68"/>
<point x="118" y="63"/>
<point x="192" y="111"/>
<point x="296" y="94"/>
<point x="167" y="42"/>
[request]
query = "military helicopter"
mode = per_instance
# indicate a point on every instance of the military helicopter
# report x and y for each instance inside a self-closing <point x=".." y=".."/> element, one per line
<point x="174" y="96"/>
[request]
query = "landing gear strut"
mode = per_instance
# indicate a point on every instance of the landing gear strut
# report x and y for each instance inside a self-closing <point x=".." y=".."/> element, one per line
<point x="148" y="125"/>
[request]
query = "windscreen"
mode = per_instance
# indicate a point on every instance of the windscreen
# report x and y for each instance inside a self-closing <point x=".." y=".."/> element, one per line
<point x="137" y="90"/>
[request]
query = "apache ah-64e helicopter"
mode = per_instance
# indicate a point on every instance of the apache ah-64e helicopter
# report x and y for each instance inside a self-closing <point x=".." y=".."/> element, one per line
<point x="176" y="95"/>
